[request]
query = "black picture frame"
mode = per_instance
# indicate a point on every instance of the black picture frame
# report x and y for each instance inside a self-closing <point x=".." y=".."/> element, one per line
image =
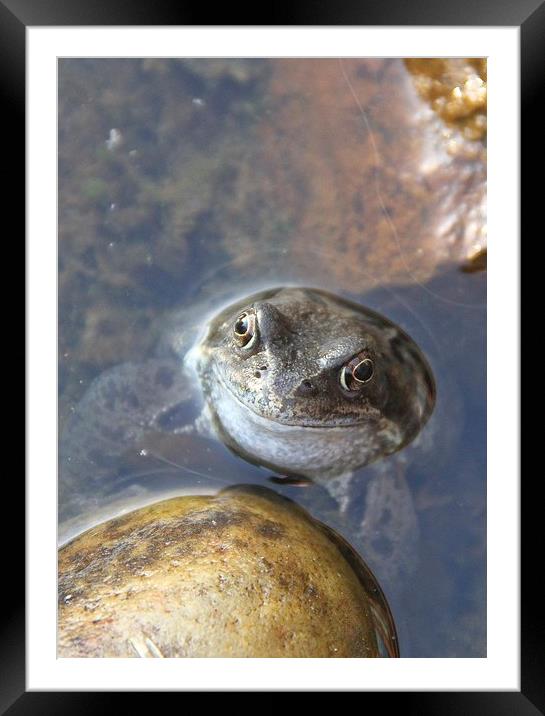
<point x="15" y="16"/>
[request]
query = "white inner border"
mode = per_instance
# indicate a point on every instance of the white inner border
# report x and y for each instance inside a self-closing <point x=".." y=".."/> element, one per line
<point x="500" y="670"/>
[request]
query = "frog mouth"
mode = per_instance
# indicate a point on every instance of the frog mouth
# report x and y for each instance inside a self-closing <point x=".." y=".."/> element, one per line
<point x="372" y="416"/>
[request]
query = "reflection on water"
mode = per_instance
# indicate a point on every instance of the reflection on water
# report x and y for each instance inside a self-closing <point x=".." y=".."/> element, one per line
<point x="193" y="183"/>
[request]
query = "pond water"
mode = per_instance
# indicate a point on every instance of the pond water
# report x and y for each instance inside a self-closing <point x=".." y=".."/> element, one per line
<point x="185" y="184"/>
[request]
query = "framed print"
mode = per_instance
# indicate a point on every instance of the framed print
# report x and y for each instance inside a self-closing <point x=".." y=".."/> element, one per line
<point x="271" y="430"/>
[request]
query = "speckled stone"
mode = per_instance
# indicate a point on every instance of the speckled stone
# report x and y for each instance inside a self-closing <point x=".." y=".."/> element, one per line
<point x="245" y="573"/>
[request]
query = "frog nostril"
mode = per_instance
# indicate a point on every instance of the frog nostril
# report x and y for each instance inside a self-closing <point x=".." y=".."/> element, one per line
<point x="306" y="387"/>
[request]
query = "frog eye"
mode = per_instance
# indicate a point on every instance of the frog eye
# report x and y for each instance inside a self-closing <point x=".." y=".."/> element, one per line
<point x="245" y="330"/>
<point x="356" y="373"/>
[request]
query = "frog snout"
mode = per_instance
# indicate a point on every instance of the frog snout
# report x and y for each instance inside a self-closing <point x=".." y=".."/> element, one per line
<point x="273" y="325"/>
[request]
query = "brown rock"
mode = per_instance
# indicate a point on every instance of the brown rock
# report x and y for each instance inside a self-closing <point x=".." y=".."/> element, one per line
<point x="371" y="186"/>
<point x="245" y="573"/>
<point x="456" y="89"/>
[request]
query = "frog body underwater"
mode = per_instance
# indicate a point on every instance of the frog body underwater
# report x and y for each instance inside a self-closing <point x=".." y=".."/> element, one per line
<point x="298" y="380"/>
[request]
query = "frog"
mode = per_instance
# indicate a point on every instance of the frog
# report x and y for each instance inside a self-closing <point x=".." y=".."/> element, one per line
<point x="298" y="380"/>
<point x="310" y="384"/>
